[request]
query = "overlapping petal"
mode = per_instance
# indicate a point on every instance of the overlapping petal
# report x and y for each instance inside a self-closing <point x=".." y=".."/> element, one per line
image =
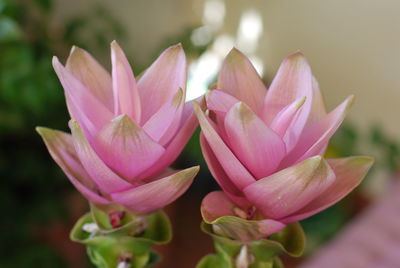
<point x="104" y="177"/>
<point x="61" y="148"/>
<point x="126" y="148"/>
<point x="82" y="105"/>
<point x="156" y="194"/>
<point x="239" y="79"/>
<point x="291" y="189"/>
<point x="231" y="165"/>
<point x="292" y="81"/>
<point x="161" y="80"/>
<point x="349" y="173"/>
<point x="258" y="147"/>
<point x="126" y="94"/>
<point x="92" y="75"/>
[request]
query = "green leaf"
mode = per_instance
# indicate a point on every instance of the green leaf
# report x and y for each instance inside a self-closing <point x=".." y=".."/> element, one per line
<point x="107" y="246"/>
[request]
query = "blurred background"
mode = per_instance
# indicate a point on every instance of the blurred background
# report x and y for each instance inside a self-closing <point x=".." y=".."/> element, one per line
<point x="352" y="46"/>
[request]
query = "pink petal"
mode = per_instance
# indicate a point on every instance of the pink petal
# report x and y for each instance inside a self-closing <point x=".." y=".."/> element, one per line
<point x="126" y="148"/>
<point x="292" y="81"/>
<point x="126" y="95"/>
<point x="92" y="75"/>
<point x="106" y="179"/>
<point x="258" y="147"/>
<point x="162" y="79"/>
<point x="349" y="173"/>
<point x="62" y="150"/>
<point x="316" y="137"/>
<point x="218" y="210"/>
<point x="291" y="189"/>
<point x="157" y="194"/>
<point x="285" y="117"/>
<point x="220" y="175"/>
<point x="220" y="102"/>
<point x="82" y="105"/>
<point x="176" y="145"/>
<point x="239" y="79"/>
<point x="318" y="108"/>
<point x="231" y="165"/>
<point x="163" y="124"/>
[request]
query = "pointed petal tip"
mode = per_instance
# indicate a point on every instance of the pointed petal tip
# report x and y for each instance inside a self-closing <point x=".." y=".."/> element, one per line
<point x="55" y="61"/>
<point x="235" y="56"/>
<point x="297" y="58"/>
<point x="114" y="45"/>
<point x="300" y="102"/>
<point x="42" y="130"/>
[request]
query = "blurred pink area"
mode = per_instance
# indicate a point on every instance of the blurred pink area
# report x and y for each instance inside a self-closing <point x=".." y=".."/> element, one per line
<point x="372" y="240"/>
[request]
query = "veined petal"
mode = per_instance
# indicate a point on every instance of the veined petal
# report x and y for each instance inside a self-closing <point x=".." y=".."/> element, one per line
<point x="163" y="124"/>
<point x="175" y="146"/>
<point x="126" y="95"/>
<point x="258" y="147"/>
<point x="61" y="149"/>
<point x="231" y="165"/>
<point x="316" y="136"/>
<point x="106" y="179"/>
<point x="126" y="148"/>
<point x="156" y="194"/>
<point x="92" y="75"/>
<point x="82" y="105"/>
<point x="285" y="117"/>
<point x="292" y="81"/>
<point x="162" y="79"/>
<point x="220" y="175"/>
<point x="289" y="190"/>
<point x="239" y="79"/>
<point x="349" y="171"/>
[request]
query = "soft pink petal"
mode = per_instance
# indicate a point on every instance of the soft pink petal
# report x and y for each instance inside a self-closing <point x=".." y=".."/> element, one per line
<point x="315" y="137"/>
<point x="162" y="79"/>
<point x="82" y="105"/>
<point x="106" y="179"/>
<point x="216" y="204"/>
<point x="126" y="95"/>
<point x="177" y="143"/>
<point x="232" y="166"/>
<point x="157" y="194"/>
<point x="219" y="101"/>
<point x="61" y="148"/>
<point x="92" y="75"/>
<point x="285" y="117"/>
<point x="218" y="210"/>
<point x="163" y="124"/>
<point x="349" y="173"/>
<point x="220" y="175"/>
<point x="318" y="108"/>
<point x="258" y="147"/>
<point x="126" y="148"/>
<point x="292" y="81"/>
<point x="239" y="79"/>
<point x="289" y="190"/>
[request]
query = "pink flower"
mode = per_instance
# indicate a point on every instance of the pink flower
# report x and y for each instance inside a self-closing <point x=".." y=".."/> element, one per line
<point x="265" y="148"/>
<point x="124" y="133"/>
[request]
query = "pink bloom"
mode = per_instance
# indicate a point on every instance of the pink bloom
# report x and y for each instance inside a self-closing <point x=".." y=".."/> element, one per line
<point x="265" y="148"/>
<point x="124" y="133"/>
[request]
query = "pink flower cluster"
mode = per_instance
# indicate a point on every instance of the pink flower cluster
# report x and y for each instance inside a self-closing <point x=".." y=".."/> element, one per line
<point x="264" y="147"/>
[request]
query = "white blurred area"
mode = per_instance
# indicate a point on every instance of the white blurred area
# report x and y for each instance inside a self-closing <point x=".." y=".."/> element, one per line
<point x="352" y="46"/>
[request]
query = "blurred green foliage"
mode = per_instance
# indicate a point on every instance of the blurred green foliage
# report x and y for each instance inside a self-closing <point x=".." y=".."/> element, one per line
<point x="33" y="190"/>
